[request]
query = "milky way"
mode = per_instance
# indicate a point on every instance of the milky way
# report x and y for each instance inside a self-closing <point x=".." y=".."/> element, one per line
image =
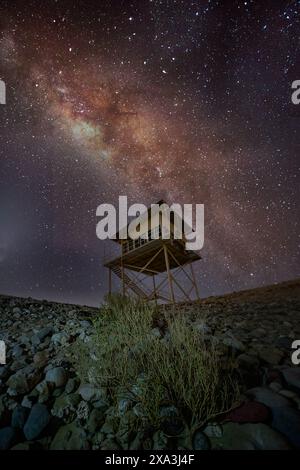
<point x="183" y="100"/>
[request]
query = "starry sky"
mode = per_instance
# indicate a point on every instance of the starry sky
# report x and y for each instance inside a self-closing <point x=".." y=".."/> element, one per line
<point x="187" y="101"/>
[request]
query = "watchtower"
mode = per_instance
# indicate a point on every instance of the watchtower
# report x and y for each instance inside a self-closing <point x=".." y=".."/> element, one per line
<point x="152" y="256"/>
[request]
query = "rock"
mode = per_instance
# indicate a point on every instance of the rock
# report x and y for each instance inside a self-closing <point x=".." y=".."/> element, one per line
<point x="19" y="417"/>
<point x="110" y="444"/>
<point x="60" y="339"/>
<point x="37" y="421"/>
<point x="234" y="343"/>
<point x="275" y="386"/>
<point x="65" y="407"/>
<point x="200" y="441"/>
<point x="71" y="385"/>
<point x="17" y="351"/>
<point x="40" y="358"/>
<point x="95" y="421"/>
<point x="155" y="332"/>
<point x="111" y="424"/>
<point x="23" y="381"/>
<point x="137" y="442"/>
<point x="249" y="412"/>
<point x="91" y="393"/>
<point x="28" y="401"/>
<point x="288" y="394"/>
<point x="287" y="421"/>
<point x="124" y="404"/>
<point x="247" y="361"/>
<point x="4" y="372"/>
<point x="213" y="430"/>
<point x="292" y="377"/>
<point x="160" y="441"/>
<point x="127" y="424"/>
<point x="284" y="342"/>
<point x="85" y="323"/>
<point x="249" y="437"/>
<point x="83" y="411"/>
<point x="58" y="376"/>
<point x="44" y="390"/>
<point x="41" y="335"/>
<point x="70" y="437"/>
<point x="8" y="437"/>
<point x="270" y="355"/>
<point x="23" y="446"/>
<point x="4" y="413"/>
<point x="268" y="397"/>
<point x="202" y="328"/>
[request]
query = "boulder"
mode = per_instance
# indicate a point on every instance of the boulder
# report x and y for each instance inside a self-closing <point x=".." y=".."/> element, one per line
<point x="58" y="376"/>
<point x="19" y="417"/>
<point x="287" y="421"/>
<point x="249" y="437"/>
<point x="268" y="397"/>
<point x="37" y="421"/>
<point x="70" y="437"/>
<point x="23" y="381"/>
<point x="292" y="377"/>
<point x="249" y="412"/>
<point x="8" y="437"/>
<point x="200" y="441"/>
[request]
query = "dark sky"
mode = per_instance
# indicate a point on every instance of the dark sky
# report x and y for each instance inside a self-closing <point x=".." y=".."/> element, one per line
<point x="183" y="100"/>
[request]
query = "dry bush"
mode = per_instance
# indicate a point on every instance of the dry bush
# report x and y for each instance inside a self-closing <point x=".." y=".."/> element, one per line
<point x="183" y="368"/>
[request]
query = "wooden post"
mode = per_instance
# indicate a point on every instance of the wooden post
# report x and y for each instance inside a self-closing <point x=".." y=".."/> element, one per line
<point x="195" y="283"/>
<point x="169" y="274"/>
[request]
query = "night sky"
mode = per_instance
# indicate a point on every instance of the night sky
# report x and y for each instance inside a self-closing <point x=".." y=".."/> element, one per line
<point x="187" y="101"/>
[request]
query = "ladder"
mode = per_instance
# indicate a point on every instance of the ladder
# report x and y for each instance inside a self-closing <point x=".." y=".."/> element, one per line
<point x="142" y="293"/>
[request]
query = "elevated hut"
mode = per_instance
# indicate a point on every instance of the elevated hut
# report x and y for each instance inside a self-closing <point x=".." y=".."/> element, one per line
<point x="158" y="253"/>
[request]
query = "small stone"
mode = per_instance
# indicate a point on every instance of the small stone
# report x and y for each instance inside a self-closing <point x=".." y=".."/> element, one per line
<point x="268" y="397"/>
<point x="292" y="376"/>
<point x="213" y="430"/>
<point x="286" y="420"/>
<point x="19" y="417"/>
<point x="247" y="361"/>
<point x="270" y="355"/>
<point x="27" y="401"/>
<point x="200" y="441"/>
<point x="40" y="358"/>
<point x="8" y="438"/>
<point x="288" y="394"/>
<point x="95" y="421"/>
<point x="90" y="393"/>
<point x="37" y="421"/>
<point x="60" y="339"/>
<point x="275" y="386"/>
<point x="233" y="342"/>
<point x="249" y="436"/>
<point x="70" y="437"/>
<point x="110" y="444"/>
<point x="17" y="351"/>
<point x="23" y="381"/>
<point x="58" y="376"/>
<point x="71" y="385"/>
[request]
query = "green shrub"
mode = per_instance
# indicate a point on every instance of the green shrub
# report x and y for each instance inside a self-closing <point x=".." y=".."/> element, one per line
<point x="182" y="368"/>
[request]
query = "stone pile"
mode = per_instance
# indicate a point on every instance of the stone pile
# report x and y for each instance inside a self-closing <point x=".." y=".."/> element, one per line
<point x="43" y="404"/>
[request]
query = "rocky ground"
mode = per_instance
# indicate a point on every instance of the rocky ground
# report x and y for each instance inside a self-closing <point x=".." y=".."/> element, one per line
<point x="43" y="404"/>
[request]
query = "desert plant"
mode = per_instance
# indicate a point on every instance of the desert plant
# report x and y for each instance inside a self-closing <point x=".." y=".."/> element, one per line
<point x="181" y="368"/>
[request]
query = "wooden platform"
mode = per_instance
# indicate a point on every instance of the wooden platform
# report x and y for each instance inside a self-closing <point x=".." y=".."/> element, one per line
<point x="150" y="257"/>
